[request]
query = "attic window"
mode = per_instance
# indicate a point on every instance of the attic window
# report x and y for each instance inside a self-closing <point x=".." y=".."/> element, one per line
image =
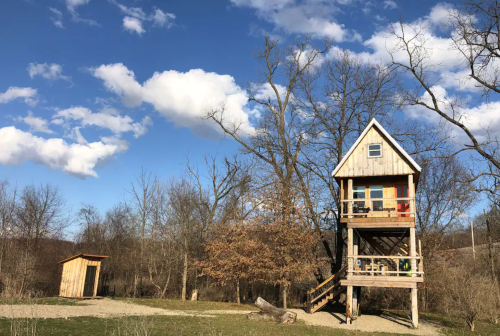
<point x="375" y="150"/>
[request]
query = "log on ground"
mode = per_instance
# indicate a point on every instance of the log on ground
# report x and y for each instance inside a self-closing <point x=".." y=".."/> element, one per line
<point x="269" y="311"/>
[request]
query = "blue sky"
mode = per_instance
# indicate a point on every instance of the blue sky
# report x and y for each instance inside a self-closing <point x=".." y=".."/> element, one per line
<point x="93" y="90"/>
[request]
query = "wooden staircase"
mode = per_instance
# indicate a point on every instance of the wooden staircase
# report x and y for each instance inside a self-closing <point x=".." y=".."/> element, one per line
<point x="328" y="290"/>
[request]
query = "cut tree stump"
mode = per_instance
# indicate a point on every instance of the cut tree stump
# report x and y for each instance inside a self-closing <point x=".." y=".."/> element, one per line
<point x="270" y="312"/>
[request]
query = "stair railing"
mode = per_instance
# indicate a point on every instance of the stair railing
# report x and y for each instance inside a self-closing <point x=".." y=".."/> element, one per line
<point x="324" y="288"/>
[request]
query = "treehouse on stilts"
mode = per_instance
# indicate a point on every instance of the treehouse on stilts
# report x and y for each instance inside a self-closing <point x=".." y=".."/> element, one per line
<point x="377" y="181"/>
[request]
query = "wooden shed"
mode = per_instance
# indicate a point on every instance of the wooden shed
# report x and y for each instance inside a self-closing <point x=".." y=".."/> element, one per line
<point x="80" y="276"/>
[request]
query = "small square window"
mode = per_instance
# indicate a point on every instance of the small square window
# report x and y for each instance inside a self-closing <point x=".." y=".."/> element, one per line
<point x="375" y="150"/>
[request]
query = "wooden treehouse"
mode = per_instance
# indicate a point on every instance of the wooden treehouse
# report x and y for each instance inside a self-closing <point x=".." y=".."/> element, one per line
<point x="80" y="276"/>
<point x="377" y="181"/>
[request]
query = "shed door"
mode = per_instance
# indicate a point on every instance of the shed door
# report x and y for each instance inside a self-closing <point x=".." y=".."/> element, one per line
<point x="88" y="288"/>
<point x="403" y="205"/>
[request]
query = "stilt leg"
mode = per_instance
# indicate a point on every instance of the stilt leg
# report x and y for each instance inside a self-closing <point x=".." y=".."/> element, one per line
<point x="414" y="307"/>
<point x="354" y="308"/>
<point x="348" y="305"/>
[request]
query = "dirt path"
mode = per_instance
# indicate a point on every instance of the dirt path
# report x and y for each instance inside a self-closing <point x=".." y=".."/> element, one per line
<point x="98" y="308"/>
<point x="106" y="308"/>
<point x="372" y="323"/>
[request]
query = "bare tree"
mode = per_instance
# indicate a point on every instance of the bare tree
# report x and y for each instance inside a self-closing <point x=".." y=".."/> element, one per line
<point x="140" y="208"/>
<point x="218" y="188"/>
<point x="280" y="135"/>
<point x="185" y="219"/>
<point x="473" y="30"/>
<point x="7" y="207"/>
<point x="443" y="197"/>
<point x="39" y="214"/>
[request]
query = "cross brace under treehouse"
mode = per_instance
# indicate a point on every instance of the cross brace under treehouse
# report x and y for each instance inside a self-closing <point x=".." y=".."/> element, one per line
<point x="377" y="180"/>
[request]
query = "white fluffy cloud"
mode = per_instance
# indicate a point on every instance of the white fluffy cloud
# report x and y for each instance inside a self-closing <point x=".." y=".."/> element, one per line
<point x="57" y="17"/>
<point x="314" y="17"/>
<point x="133" y="25"/>
<point x="389" y="4"/>
<point x="162" y="19"/>
<point x="182" y="97"/>
<point x="116" y="123"/>
<point x="48" y="71"/>
<point x="135" y="17"/>
<point x="478" y="119"/>
<point x="36" y="124"/>
<point x="29" y="95"/>
<point x="72" y="5"/>
<point x="17" y="147"/>
<point x="444" y="60"/>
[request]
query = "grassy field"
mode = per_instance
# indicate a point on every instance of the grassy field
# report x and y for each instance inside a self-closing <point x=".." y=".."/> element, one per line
<point x="455" y="327"/>
<point x="228" y="325"/>
<point x="210" y="326"/>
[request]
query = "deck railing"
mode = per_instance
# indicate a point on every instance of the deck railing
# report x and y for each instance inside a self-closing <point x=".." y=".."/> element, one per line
<point x="378" y="207"/>
<point x="376" y="265"/>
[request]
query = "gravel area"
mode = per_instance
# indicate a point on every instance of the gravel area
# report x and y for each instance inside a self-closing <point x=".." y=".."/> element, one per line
<point x="98" y="308"/>
<point x="372" y="323"/>
<point x="115" y="308"/>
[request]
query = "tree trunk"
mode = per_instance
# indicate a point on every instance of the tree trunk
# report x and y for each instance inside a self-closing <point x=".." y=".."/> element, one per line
<point x="284" y="293"/>
<point x="339" y="247"/>
<point x="490" y="252"/>
<point x="238" y="291"/>
<point x="470" y="323"/>
<point x="184" y="276"/>
<point x="280" y="315"/>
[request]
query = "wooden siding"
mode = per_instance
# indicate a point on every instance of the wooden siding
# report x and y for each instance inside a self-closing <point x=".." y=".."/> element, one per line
<point x="73" y="277"/>
<point x="359" y="164"/>
<point x="381" y="282"/>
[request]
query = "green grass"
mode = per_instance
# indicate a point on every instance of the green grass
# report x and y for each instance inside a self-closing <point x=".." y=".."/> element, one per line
<point x="228" y="325"/>
<point x="40" y="301"/>
<point x="190" y="305"/>
<point x="453" y="326"/>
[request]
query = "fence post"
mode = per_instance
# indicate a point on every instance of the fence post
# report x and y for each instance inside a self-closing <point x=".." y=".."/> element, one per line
<point x="308" y="303"/>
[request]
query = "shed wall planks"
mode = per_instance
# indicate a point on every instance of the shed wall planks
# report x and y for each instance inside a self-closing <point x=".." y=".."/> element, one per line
<point x="359" y="164"/>
<point x="73" y="276"/>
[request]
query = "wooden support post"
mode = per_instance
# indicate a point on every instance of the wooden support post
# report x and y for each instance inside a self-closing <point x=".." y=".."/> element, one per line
<point x="348" y="305"/>
<point x="354" y="308"/>
<point x="350" y="196"/>
<point x="355" y="248"/>
<point x="411" y="195"/>
<point x="355" y="292"/>
<point x="350" y="248"/>
<point x="342" y="197"/>
<point x="413" y="252"/>
<point x="414" y="307"/>
<point x="421" y="260"/>
<point x="308" y="303"/>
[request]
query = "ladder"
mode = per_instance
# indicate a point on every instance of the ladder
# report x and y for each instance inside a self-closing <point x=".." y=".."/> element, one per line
<point x="328" y="290"/>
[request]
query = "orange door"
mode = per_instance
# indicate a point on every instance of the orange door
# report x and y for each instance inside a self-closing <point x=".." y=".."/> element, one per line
<point x="402" y="206"/>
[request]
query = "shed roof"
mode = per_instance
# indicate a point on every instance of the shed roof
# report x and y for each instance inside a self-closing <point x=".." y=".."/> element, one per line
<point x="83" y="255"/>
<point x="374" y="123"/>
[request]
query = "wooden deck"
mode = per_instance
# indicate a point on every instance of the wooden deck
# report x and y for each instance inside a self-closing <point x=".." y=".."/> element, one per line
<point x="382" y="281"/>
<point x="379" y="222"/>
